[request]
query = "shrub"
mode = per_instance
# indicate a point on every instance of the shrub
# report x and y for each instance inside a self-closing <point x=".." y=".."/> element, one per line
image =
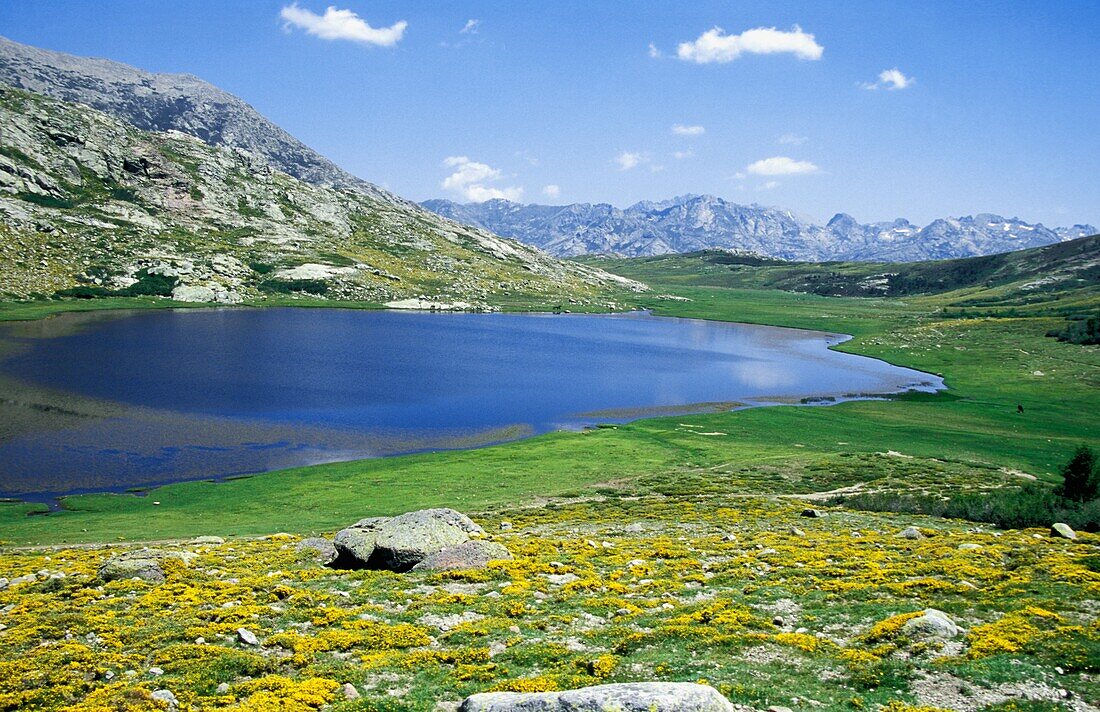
<point x="1080" y="476"/>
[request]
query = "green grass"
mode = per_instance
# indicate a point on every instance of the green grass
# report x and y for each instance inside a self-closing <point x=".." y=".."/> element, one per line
<point x="989" y="365"/>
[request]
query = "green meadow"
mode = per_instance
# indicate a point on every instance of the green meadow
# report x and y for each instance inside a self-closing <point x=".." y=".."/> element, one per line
<point x="972" y="433"/>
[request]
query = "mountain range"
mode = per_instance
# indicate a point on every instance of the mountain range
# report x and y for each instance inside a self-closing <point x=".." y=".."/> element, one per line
<point x="691" y="223"/>
<point x="118" y="181"/>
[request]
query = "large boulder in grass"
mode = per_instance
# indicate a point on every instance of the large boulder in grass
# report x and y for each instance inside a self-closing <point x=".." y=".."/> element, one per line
<point x="931" y="623"/>
<point x="474" y="554"/>
<point x="355" y="544"/>
<point x="623" y="697"/>
<point x="144" y="564"/>
<point x="320" y="550"/>
<point x="407" y="539"/>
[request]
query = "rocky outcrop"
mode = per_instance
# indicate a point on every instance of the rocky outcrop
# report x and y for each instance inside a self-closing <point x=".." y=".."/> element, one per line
<point x="355" y="544"/>
<point x="320" y="550"/>
<point x="475" y="554"/>
<point x="171" y="187"/>
<point x="401" y="543"/>
<point x="144" y="564"/>
<point x="931" y="623"/>
<point x="1063" y="530"/>
<point x="624" y="697"/>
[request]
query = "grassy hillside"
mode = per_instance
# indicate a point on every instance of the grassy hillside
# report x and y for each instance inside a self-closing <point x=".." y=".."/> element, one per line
<point x="1040" y="275"/>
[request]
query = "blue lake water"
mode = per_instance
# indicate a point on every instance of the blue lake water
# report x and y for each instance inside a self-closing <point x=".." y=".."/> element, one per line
<point x="206" y="393"/>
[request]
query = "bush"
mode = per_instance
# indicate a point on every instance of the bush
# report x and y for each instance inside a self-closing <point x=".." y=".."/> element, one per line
<point x="289" y="286"/>
<point x="1080" y="476"/>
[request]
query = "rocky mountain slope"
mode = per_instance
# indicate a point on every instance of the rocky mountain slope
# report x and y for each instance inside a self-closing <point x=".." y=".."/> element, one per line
<point x="92" y="206"/>
<point x="161" y="102"/>
<point x="698" y="222"/>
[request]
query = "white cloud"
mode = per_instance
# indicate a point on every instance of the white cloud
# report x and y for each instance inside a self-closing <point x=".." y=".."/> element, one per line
<point x="469" y="179"/>
<point x="653" y="52"/>
<point x="791" y="139"/>
<point x="682" y="130"/>
<point x="769" y="185"/>
<point x="715" y="45"/>
<point x="629" y="159"/>
<point x="470" y="28"/>
<point x="890" y="79"/>
<point x="780" y="166"/>
<point x="681" y="155"/>
<point x="342" y="25"/>
<point x="551" y="191"/>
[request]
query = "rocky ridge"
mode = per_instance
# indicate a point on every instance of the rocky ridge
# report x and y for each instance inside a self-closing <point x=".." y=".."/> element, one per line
<point x="91" y="206"/>
<point x="690" y="223"/>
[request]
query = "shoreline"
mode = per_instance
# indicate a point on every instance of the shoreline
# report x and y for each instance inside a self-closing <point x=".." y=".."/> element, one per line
<point x="74" y="405"/>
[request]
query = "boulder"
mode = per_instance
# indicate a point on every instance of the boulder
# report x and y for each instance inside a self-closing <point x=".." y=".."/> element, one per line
<point x="623" y="697"/>
<point x="144" y="564"/>
<point x="208" y="540"/>
<point x="355" y="544"/>
<point x="167" y="697"/>
<point x="910" y="533"/>
<point x="193" y="293"/>
<point x="247" y="637"/>
<point x="320" y="550"/>
<point x="1063" y="530"/>
<point x="812" y="513"/>
<point x="931" y="623"/>
<point x="474" y="554"/>
<point x="406" y="540"/>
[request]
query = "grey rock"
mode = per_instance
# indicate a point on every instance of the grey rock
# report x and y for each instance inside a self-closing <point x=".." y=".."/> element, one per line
<point x="184" y="293"/>
<point x="144" y="564"/>
<point x="475" y="554"/>
<point x="407" y="539"/>
<point x="779" y="708"/>
<point x="931" y="623"/>
<point x="910" y="533"/>
<point x="222" y="688"/>
<point x="247" y="637"/>
<point x="350" y="693"/>
<point x="166" y="696"/>
<point x="623" y="697"/>
<point x="1063" y="530"/>
<point x="812" y="513"/>
<point x="355" y="544"/>
<point x="208" y="540"/>
<point x="969" y="546"/>
<point x="320" y="550"/>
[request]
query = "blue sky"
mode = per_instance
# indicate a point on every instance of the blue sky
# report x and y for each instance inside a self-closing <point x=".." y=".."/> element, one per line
<point x="998" y="112"/>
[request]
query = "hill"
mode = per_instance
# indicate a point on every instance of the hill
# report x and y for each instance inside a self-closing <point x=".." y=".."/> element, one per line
<point x="1059" y="275"/>
<point x="691" y="223"/>
<point x="92" y="206"/>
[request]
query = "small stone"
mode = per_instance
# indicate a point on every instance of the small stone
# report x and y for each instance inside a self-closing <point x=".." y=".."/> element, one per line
<point x="910" y="533"/>
<point x="1063" y="530"/>
<point x="506" y="526"/>
<point x="350" y="693"/>
<point x="969" y="547"/>
<point x="210" y="540"/>
<point x="222" y="689"/>
<point x="797" y="532"/>
<point x="200" y="641"/>
<point x="156" y="671"/>
<point x="247" y="637"/>
<point x="778" y="621"/>
<point x="779" y="708"/>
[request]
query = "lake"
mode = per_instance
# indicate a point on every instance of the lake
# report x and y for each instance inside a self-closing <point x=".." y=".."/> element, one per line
<point x="106" y="401"/>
